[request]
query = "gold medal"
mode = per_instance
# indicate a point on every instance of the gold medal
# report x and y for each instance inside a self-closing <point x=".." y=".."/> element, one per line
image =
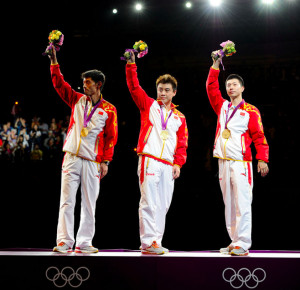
<point x="164" y="135"/>
<point x="226" y="134"/>
<point x="84" y="132"/>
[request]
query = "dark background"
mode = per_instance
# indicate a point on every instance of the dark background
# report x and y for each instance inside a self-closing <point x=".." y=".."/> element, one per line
<point x="180" y="42"/>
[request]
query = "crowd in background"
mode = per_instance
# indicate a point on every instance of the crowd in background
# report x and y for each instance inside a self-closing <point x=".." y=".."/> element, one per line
<point x="35" y="140"/>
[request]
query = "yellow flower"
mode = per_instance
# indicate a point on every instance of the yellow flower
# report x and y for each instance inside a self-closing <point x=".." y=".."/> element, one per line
<point x="142" y="47"/>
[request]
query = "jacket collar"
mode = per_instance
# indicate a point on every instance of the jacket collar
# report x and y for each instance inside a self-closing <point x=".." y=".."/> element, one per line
<point x="173" y="106"/>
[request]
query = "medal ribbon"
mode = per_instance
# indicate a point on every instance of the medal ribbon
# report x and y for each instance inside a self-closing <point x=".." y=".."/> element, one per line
<point x="87" y="118"/>
<point x="234" y="111"/>
<point x="163" y="122"/>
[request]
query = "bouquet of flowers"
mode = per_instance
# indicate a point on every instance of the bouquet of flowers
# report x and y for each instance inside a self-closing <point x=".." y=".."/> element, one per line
<point x="140" y="47"/>
<point x="228" y="49"/>
<point x="56" y="39"/>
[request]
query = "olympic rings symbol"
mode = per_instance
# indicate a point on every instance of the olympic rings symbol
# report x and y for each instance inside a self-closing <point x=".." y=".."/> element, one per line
<point x="67" y="275"/>
<point x="244" y="280"/>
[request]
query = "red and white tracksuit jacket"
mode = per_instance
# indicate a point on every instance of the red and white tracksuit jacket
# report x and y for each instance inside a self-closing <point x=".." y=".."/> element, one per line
<point x="235" y="166"/>
<point x="156" y="158"/>
<point x="82" y="160"/>
<point x="99" y="144"/>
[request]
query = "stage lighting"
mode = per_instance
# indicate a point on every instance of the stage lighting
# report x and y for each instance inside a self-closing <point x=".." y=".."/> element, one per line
<point x="138" y="7"/>
<point x="188" y="4"/>
<point x="215" y="3"/>
<point x="115" y="11"/>
<point x="17" y="103"/>
<point x="269" y="2"/>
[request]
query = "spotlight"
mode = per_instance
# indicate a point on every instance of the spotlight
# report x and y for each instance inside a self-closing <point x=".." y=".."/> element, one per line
<point x="268" y="2"/>
<point x="16" y="102"/>
<point x="115" y="11"/>
<point x="138" y="7"/>
<point x="188" y="4"/>
<point x="215" y="3"/>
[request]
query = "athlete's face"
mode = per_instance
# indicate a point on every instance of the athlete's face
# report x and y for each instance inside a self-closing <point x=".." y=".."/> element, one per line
<point x="165" y="93"/>
<point x="90" y="87"/>
<point x="234" y="88"/>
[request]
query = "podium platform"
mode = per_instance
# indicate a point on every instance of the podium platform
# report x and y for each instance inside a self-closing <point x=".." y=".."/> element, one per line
<point x="127" y="269"/>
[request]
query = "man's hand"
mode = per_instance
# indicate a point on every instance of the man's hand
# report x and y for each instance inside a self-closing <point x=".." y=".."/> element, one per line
<point x="103" y="170"/>
<point x="263" y="168"/>
<point x="216" y="62"/>
<point x="53" y="57"/>
<point x="132" y="57"/>
<point x="175" y="171"/>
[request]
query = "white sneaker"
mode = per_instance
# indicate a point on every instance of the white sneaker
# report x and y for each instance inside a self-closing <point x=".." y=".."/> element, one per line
<point x="227" y="250"/>
<point x="86" y="250"/>
<point x="238" y="251"/>
<point x="166" y="251"/>
<point x="154" y="249"/>
<point x="62" y="248"/>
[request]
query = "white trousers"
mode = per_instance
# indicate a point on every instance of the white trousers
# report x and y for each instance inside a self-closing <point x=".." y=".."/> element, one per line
<point x="156" y="186"/>
<point x="236" y="181"/>
<point x="76" y="170"/>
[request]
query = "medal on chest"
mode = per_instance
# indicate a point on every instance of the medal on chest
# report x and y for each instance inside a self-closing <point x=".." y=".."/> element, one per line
<point x="87" y="118"/>
<point x="226" y="132"/>
<point x="84" y="132"/>
<point x="164" y="134"/>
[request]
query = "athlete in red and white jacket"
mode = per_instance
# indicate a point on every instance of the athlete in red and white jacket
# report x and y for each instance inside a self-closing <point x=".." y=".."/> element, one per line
<point x="161" y="148"/>
<point x="99" y="143"/>
<point x="89" y="147"/>
<point x="239" y="123"/>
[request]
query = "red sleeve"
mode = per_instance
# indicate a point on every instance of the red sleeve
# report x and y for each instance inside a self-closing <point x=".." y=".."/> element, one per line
<point x="182" y="144"/>
<point x="139" y="96"/>
<point x="62" y="87"/>
<point x="110" y="134"/>
<point x="258" y="137"/>
<point x="213" y="90"/>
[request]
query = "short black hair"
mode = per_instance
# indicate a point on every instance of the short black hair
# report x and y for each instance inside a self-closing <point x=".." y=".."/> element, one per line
<point x="167" y="79"/>
<point x="235" y="76"/>
<point x="95" y="75"/>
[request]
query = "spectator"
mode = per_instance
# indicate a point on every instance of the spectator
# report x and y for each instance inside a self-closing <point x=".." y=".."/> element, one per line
<point x="44" y="129"/>
<point x="35" y="121"/>
<point x="7" y="152"/>
<point x="9" y="127"/>
<point x="25" y="138"/>
<point x="36" y="154"/>
<point x="51" y="152"/>
<point x="53" y="126"/>
<point x="35" y="136"/>
<point x="5" y="132"/>
<point x="50" y="136"/>
<point x="12" y="138"/>
<point x="18" y="125"/>
<point x="19" y="150"/>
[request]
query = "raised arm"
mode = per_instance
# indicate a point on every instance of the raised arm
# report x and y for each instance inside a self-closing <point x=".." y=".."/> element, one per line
<point x="61" y="86"/>
<point x="212" y="87"/>
<point x="139" y="96"/>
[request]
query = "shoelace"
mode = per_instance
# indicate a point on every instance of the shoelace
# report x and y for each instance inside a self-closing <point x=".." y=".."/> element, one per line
<point x="155" y="245"/>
